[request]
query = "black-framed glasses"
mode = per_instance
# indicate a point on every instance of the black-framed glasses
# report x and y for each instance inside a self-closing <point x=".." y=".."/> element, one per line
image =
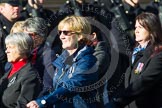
<point x="68" y="33"/>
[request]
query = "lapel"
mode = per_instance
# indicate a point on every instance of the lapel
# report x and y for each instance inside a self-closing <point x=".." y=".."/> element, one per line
<point x="131" y="67"/>
<point x="142" y="58"/>
<point x="138" y="56"/>
<point x="5" y="82"/>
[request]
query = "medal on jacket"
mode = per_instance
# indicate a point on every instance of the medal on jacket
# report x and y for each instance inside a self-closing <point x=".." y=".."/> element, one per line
<point x="139" y="68"/>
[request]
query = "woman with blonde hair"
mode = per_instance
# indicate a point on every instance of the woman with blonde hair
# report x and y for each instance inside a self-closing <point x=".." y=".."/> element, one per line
<point x="75" y="68"/>
<point x="17" y="27"/>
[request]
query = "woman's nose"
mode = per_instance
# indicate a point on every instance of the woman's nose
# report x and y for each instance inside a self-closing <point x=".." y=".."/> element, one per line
<point x="136" y="30"/>
<point x="6" y="51"/>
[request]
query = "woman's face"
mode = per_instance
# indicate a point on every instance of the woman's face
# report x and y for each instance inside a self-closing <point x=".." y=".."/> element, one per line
<point x="38" y="40"/>
<point x="141" y="34"/>
<point x="13" y="54"/>
<point x="69" y="38"/>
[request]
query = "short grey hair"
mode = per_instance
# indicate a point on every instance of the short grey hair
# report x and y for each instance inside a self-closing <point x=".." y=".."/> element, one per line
<point x="36" y="25"/>
<point x="23" y="41"/>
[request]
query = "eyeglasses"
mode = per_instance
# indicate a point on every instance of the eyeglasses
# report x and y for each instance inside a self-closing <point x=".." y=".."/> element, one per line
<point x="68" y="33"/>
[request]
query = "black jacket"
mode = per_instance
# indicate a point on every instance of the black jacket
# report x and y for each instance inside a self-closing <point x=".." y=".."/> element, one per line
<point x="5" y="27"/>
<point x="19" y="89"/>
<point x="143" y="82"/>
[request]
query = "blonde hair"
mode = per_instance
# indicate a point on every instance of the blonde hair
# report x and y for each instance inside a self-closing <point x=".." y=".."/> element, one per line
<point x="76" y="24"/>
<point x="17" y="27"/>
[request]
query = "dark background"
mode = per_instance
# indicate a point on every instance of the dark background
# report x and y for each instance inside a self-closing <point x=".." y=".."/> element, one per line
<point x="55" y="4"/>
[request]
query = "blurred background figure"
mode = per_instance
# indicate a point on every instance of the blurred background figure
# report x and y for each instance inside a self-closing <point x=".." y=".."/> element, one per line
<point x="17" y="27"/>
<point x="125" y="12"/>
<point x="37" y="28"/>
<point x="144" y="75"/>
<point x="86" y="9"/>
<point x="155" y="6"/>
<point x="9" y="14"/>
<point x="35" y="3"/>
<point x="122" y="32"/>
<point x="20" y="83"/>
<point x="34" y="8"/>
<point x="42" y="54"/>
<point x="102" y="53"/>
<point x="132" y="8"/>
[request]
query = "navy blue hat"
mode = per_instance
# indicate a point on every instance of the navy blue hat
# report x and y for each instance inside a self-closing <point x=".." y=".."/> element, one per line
<point x="11" y="2"/>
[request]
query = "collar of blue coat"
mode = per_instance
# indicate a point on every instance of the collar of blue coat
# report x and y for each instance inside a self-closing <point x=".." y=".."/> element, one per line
<point x="64" y="58"/>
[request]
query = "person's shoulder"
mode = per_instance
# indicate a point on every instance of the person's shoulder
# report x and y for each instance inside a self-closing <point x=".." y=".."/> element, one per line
<point x="28" y="69"/>
<point x="153" y="52"/>
<point x="158" y="53"/>
<point x="86" y="54"/>
<point x="1" y="18"/>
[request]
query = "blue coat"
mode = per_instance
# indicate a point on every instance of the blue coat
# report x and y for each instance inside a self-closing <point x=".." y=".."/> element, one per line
<point x="73" y="81"/>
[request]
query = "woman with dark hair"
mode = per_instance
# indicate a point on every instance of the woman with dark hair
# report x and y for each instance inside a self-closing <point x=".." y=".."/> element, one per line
<point x="143" y="78"/>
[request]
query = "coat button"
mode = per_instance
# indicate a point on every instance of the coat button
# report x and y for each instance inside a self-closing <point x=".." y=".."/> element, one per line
<point x="43" y="102"/>
<point x="4" y="27"/>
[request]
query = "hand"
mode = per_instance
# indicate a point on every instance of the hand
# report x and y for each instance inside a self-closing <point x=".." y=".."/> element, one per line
<point x="133" y="3"/>
<point x="35" y="3"/>
<point x="32" y="104"/>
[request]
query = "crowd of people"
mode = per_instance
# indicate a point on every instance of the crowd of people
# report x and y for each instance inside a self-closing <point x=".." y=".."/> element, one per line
<point x="85" y="55"/>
